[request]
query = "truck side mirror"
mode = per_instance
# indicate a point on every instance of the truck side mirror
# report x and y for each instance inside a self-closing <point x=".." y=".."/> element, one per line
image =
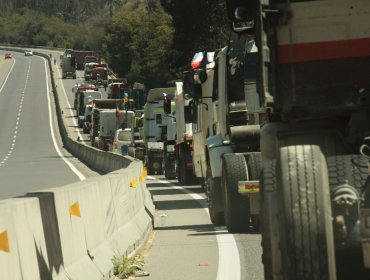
<point x="167" y="106"/>
<point x="188" y="84"/>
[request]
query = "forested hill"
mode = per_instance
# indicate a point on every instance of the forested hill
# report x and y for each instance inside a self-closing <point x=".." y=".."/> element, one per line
<point x="68" y="10"/>
<point x="149" y="41"/>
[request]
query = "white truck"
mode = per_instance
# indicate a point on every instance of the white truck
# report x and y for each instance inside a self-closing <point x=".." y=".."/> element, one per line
<point x="184" y="137"/>
<point x="107" y="117"/>
<point x="155" y="127"/>
<point x="227" y="118"/>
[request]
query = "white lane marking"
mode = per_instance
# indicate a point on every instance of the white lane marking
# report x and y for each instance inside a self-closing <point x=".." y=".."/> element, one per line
<point x="70" y="164"/>
<point x="19" y="110"/>
<point x="6" y="79"/>
<point x="228" y="253"/>
<point x="70" y="110"/>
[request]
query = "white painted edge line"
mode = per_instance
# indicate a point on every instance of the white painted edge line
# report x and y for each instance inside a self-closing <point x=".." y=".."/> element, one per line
<point x="228" y="253"/>
<point x="70" y="110"/>
<point x="7" y="76"/>
<point x="71" y="166"/>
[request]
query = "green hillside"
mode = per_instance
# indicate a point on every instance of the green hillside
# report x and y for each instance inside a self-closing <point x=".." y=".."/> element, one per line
<point x="150" y="41"/>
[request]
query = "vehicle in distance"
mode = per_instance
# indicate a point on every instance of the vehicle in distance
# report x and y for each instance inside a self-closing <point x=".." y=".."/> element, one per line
<point x="28" y="53"/>
<point x="123" y="142"/>
<point x="8" y="55"/>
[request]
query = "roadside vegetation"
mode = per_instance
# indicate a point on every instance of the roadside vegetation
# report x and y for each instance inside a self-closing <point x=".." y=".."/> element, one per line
<point x="149" y="41"/>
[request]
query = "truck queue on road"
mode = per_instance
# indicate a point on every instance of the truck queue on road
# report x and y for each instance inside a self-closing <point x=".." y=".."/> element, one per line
<point x="275" y="126"/>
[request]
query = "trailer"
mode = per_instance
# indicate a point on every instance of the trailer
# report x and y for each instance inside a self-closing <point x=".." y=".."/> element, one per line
<point x="68" y="67"/>
<point x="80" y="55"/>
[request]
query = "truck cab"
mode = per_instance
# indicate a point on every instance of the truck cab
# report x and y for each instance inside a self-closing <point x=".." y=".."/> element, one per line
<point x="155" y="127"/>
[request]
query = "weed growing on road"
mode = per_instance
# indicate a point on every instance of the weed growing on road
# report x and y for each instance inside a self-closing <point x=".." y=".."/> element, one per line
<point x="127" y="267"/>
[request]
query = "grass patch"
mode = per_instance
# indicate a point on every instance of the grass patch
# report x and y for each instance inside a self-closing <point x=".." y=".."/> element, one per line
<point x="126" y="267"/>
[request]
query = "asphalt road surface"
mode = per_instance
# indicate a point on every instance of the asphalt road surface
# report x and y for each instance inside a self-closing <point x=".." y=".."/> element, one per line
<point x="185" y="245"/>
<point x="30" y="155"/>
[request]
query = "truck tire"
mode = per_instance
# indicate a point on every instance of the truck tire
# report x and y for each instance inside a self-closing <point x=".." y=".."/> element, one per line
<point x="214" y="197"/>
<point x="186" y="175"/>
<point x="254" y="169"/>
<point x="268" y="215"/>
<point x="305" y="220"/>
<point x="236" y="207"/>
<point x="149" y="167"/>
<point x="351" y="168"/>
<point x="254" y="165"/>
<point x="168" y="173"/>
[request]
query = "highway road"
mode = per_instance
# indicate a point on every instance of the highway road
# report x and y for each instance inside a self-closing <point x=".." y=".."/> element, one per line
<point x="184" y="244"/>
<point x="31" y="157"/>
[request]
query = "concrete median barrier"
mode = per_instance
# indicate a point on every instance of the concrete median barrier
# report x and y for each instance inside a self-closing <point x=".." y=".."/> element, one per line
<point x="22" y="239"/>
<point x="73" y="232"/>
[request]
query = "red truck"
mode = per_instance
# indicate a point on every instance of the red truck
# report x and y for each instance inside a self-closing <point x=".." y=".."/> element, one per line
<point x="80" y="57"/>
<point x="99" y="76"/>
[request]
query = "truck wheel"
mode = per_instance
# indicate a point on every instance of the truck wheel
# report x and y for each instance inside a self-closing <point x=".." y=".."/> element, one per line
<point x="254" y="169"/>
<point x="186" y="175"/>
<point x="305" y="220"/>
<point x="168" y="173"/>
<point x="351" y="168"/>
<point x="254" y="165"/>
<point x="268" y="215"/>
<point x="150" y="168"/>
<point x="236" y="207"/>
<point x="215" y="201"/>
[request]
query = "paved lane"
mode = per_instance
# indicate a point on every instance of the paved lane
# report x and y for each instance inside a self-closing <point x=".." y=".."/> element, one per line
<point x="185" y="245"/>
<point x="28" y="158"/>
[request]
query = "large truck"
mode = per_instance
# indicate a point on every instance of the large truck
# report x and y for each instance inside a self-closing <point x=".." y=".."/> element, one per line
<point x="184" y="137"/>
<point x="108" y="115"/>
<point x="81" y="87"/>
<point x="155" y="127"/>
<point x="68" y="67"/>
<point x="227" y="115"/>
<point x="314" y="188"/>
<point x="80" y="55"/>
<point x="84" y="97"/>
<point x="99" y="76"/>
<point x="203" y="118"/>
<point x="169" y="145"/>
<point x="134" y="98"/>
<point x="88" y="69"/>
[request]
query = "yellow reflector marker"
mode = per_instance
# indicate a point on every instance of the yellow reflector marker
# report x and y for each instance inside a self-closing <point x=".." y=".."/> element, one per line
<point x="246" y="187"/>
<point x="74" y="210"/>
<point x="133" y="183"/>
<point x="145" y="172"/>
<point x="4" y="242"/>
<point x="142" y="179"/>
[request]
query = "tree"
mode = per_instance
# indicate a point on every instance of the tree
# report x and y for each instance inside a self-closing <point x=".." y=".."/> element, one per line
<point x="200" y="25"/>
<point x="139" y="45"/>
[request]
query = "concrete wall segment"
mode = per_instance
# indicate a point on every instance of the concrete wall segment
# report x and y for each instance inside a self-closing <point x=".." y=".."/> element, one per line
<point x="47" y="242"/>
<point x="27" y="256"/>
